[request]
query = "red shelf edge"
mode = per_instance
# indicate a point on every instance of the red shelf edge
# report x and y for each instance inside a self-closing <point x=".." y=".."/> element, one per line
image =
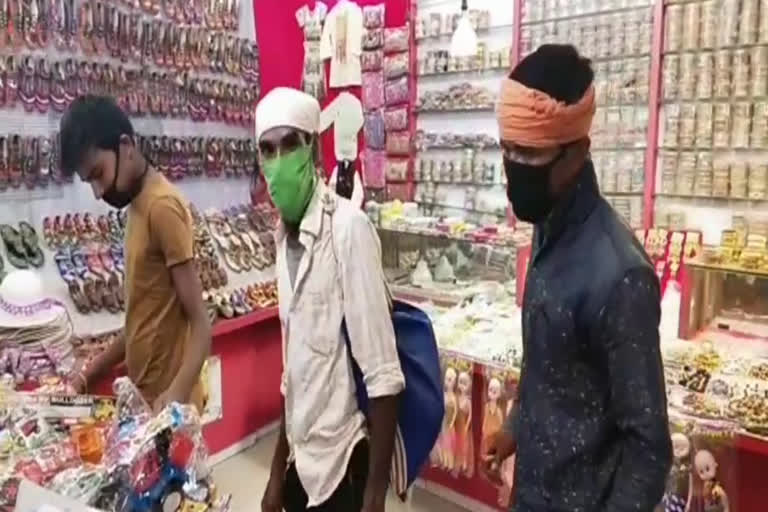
<point x="227" y="326"/>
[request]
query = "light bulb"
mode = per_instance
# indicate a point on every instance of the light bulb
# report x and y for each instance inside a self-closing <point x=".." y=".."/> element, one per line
<point x="464" y="40"/>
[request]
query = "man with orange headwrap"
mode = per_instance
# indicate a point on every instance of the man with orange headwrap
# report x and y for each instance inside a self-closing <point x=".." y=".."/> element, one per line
<point x="590" y="424"/>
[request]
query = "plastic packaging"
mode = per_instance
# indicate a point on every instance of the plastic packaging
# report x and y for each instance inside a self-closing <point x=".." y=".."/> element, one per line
<point x="399" y="143"/>
<point x="396" y="39"/>
<point x="372" y="93"/>
<point x="372" y="60"/>
<point x="374" y="130"/>
<point x="373" y="16"/>
<point x="396" y="119"/>
<point x="396" y="91"/>
<point x="373" y="39"/>
<point x="396" y="170"/>
<point x="396" y="65"/>
<point x="373" y="168"/>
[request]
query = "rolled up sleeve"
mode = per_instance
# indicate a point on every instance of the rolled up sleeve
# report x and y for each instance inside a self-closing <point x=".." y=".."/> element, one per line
<point x="366" y="308"/>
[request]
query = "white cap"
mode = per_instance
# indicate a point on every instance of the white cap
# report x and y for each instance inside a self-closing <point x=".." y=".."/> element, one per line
<point x="284" y="106"/>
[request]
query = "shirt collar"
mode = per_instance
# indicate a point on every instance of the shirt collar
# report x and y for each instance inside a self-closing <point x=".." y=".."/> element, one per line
<point x="574" y="208"/>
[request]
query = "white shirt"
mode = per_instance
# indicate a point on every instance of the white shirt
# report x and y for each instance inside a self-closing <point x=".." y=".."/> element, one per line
<point x="333" y="282"/>
<point x="342" y="42"/>
<point x="345" y="113"/>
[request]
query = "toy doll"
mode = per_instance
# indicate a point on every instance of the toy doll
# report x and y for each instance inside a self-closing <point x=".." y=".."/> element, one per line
<point x="492" y="415"/>
<point x="713" y="494"/>
<point x="507" y="472"/>
<point x="442" y="454"/>
<point x="677" y="495"/>
<point x="464" y="452"/>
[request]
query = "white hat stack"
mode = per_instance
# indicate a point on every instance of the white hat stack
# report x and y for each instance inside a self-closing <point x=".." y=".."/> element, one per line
<point x="35" y="331"/>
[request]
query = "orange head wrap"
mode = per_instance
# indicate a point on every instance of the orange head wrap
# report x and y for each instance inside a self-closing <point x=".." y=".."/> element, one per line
<point x="532" y="118"/>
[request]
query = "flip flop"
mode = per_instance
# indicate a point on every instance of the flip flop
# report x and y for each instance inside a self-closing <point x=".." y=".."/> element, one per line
<point x="35" y="256"/>
<point x="63" y="259"/>
<point x="14" y="247"/>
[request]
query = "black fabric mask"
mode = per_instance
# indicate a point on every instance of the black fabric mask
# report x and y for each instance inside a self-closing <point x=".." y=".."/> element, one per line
<point x="528" y="189"/>
<point x="121" y="198"/>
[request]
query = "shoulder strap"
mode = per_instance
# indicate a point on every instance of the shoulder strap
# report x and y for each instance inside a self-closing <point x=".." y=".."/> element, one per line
<point x="329" y="208"/>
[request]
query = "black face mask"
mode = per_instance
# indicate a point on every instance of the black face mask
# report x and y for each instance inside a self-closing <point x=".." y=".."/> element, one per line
<point x="528" y="189"/>
<point x="120" y="199"/>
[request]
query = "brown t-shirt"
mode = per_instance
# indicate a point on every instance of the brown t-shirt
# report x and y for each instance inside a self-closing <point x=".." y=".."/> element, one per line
<point x="159" y="235"/>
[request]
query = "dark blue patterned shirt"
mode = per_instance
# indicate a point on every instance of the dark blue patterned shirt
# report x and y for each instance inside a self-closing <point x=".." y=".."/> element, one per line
<point x="591" y="420"/>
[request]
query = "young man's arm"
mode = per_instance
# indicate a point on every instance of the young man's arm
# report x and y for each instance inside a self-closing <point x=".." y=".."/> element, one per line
<point x="101" y="366"/>
<point x="628" y="335"/>
<point x="372" y="339"/>
<point x="171" y="227"/>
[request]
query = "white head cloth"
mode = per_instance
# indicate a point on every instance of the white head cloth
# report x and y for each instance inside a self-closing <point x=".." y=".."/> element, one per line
<point x="284" y="106"/>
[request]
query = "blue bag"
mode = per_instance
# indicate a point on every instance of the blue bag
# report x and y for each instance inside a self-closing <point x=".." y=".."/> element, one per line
<point x="421" y="407"/>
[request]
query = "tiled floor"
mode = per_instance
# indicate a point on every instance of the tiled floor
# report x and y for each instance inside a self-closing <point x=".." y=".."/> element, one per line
<point x="245" y="476"/>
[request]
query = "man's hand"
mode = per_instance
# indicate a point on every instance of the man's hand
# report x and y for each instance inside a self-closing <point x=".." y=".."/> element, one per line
<point x="500" y="448"/>
<point x="79" y="382"/>
<point x="374" y="501"/>
<point x="167" y="397"/>
<point x="273" y="496"/>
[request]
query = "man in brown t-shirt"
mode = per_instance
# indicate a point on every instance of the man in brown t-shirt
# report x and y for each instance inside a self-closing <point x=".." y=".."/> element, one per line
<point x="167" y="334"/>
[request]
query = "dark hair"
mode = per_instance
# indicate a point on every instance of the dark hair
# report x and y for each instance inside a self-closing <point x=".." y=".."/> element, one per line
<point x="91" y="122"/>
<point x="557" y="70"/>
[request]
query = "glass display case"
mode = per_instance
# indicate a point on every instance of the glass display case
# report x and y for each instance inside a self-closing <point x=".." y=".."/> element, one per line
<point x="725" y="298"/>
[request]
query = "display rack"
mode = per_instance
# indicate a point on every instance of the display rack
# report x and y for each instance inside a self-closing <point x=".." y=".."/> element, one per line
<point x="459" y="181"/>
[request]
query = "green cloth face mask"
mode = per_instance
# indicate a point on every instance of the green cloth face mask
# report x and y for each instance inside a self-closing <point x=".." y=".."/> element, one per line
<point x="291" y="179"/>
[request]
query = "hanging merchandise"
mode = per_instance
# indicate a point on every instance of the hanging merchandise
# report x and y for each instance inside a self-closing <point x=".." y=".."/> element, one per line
<point x="311" y="22"/>
<point x="341" y="42"/>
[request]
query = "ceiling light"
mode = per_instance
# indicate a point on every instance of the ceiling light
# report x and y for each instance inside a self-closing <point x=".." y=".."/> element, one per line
<point x="464" y="40"/>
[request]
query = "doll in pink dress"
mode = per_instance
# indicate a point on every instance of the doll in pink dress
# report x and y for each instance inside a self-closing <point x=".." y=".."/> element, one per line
<point x="507" y="473"/>
<point x="464" y="448"/>
<point x="442" y="454"/>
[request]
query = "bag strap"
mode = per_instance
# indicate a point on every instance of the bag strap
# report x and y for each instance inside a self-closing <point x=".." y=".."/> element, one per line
<point x="329" y="209"/>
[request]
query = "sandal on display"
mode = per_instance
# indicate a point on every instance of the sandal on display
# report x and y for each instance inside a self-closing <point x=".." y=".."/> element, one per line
<point x="210" y="306"/>
<point x="114" y="285"/>
<point x="238" y="303"/>
<point x="48" y="233"/>
<point x="14" y="246"/>
<point x="63" y="259"/>
<point x="224" y="306"/>
<point x="35" y="256"/>
<point x="78" y="297"/>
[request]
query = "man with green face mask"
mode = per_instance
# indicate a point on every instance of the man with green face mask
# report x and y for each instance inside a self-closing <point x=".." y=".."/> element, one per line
<point x="328" y="456"/>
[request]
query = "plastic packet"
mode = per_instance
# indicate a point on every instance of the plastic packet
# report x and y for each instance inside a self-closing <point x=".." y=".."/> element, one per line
<point x="372" y="93"/>
<point x="373" y="39"/>
<point x="398" y="192"/>
<point x="373" y="16"/>
<point x="399" y="143"/>
<point x="373" y="168"/>
<point x="397" y="170"/>
<point x="396" y="39"/>
<point x="374" y="130"/>
<point x="372" y="60"/>
<point x="396" y="91"/>
<point x="396" y="65"/>
<point x="396" y="119"/>
<point x="130" y="403"/>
